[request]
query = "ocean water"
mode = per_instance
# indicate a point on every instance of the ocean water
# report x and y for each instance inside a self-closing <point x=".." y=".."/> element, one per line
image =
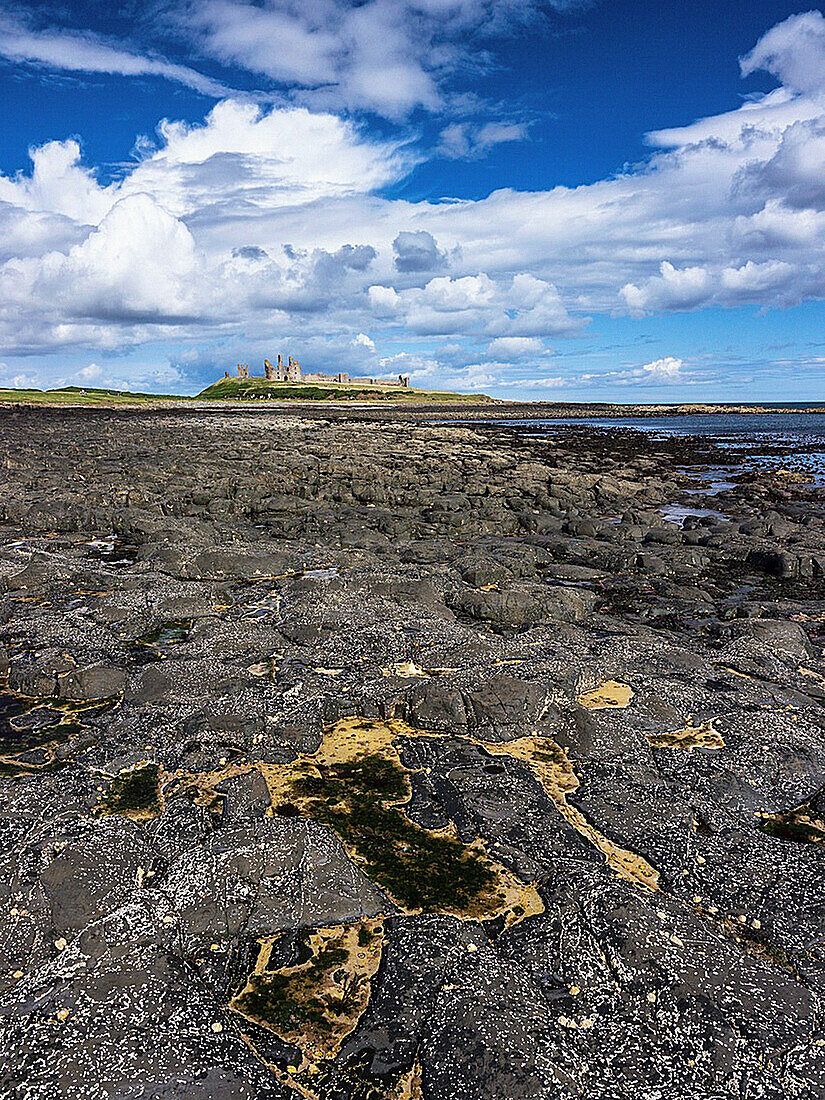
<point x="796" y="439"/>
<point x="737" y="430"/>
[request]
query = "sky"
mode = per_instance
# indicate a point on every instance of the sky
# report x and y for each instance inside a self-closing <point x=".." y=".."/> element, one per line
<point x="599" y="200"/>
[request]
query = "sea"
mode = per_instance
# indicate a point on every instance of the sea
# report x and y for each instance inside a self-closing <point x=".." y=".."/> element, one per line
<point x="796" y="439"/>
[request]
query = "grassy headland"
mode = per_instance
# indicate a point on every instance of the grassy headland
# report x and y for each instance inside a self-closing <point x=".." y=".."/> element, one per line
<point x="234" y="389"/>
<point x="82" y="395"/>
<point x="257" y="389"/>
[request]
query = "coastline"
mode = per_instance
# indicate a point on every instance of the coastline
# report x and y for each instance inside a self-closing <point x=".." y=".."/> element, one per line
<point x="482" y="408"/>
<point x="267" y="671"/>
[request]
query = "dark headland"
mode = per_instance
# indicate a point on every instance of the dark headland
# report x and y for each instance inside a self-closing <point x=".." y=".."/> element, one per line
<point x="349" y="755"/>
<point x="258" y="393"/>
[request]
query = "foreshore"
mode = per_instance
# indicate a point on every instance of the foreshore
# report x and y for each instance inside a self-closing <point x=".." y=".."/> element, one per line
<point x="431" y="404"/>
<point x="359" y="756"/>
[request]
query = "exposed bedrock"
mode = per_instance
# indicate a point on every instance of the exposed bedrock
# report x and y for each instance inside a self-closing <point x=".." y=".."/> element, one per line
<point x="369" y="759"/>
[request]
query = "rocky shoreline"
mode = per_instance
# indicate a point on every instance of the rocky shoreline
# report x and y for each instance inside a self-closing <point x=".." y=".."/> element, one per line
<point x="352" y="756"/>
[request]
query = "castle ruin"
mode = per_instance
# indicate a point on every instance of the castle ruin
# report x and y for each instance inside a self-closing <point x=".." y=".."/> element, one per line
<point x="291" y="372"/>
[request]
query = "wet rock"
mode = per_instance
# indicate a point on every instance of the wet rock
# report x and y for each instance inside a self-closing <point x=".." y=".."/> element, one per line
<point x="264" y="877"/>
<point x="433" y="705"/>
<point x="237" y="564"/>
<point x="787" y="637"/>
<point x="90" y="684"/>
<point x="229" y="585"/>
<point x="513" y="608"/>
<point x="505" y="705"/>
<point x="246" y="798"/>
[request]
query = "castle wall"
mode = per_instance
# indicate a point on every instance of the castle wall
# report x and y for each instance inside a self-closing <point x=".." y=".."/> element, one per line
<point x="291" y="372"/>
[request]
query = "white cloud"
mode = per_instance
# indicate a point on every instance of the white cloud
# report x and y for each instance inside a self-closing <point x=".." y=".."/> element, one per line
<point x="794" y="173"/>
<point x="59" y="184"/>
<point x="363" y="341"/>
<point x="446" y="295"/>
<point x="138" y="266"/>
<point x="546" y="382"/>
<point x="384" y="300"/>
<point x="794" y="52"/>
<point x="753" y="279"/>
<point x="671" y="289"/>
<point x="417" y="250"/>
<point x="469" y="140"/>
<point x="521" y="307"/>
<point x="515" y="347"/>
<point x="244" y="159"/>
<point x="386" y="56"/>
<point x="693" y="287"/>
<point x="91" y="372"/>
<point x="86" y="53"/>
<point x="668" y="369"/>
<point x="264" y="224"/>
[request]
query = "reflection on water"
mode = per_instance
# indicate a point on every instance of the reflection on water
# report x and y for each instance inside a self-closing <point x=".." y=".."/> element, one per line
<point x="678" y="513"/>
<point x="795" y="437"/>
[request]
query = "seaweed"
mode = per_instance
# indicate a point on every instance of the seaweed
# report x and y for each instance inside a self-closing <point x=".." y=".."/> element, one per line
<point x="162" y="641"/>
<point x="794" y="825"/>
<point x="29" y="722"/>
<point x="317" y="1002"/>
<point x="423" y="870"/>
<point x="135" y="792"/>
<point x="356" y="785"/>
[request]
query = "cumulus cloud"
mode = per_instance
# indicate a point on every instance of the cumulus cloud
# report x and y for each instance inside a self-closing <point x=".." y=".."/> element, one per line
<point x="693" y="287"/>
<point x="384" y="300"/>
<point x="794" y="174"/>
<point x="521" y="307"/>
<point x="240" y="160"/>
<point x="794" y="52"/>
<point x="515" y="347"/>
<point x="139" y="264"/>
<point x="668" y="369"/>
<point x="446" y="295"/>
<point x="244" y="159"/>
<point x="672" y="288"/>
<point x="90" y="372"/>
<point x="417" y="251"/>
<point x="59" y="184"/>
<point x="267" y="222"/>
<point x="533" y="307"/>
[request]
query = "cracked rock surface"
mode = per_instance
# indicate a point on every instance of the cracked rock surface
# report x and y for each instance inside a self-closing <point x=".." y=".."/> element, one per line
<point x="351" y="757"/>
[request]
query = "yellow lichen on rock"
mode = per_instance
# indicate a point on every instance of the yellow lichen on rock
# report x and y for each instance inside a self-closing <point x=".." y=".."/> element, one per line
<point x="409" y="1087"/>
<point x="315" y="1004"/>
<point x="609" y="695"/>
<point x="703" y="736"/>
<point x="356" y="784"/>
<point x="554" y="771"/>
<point x="405" y="670"/>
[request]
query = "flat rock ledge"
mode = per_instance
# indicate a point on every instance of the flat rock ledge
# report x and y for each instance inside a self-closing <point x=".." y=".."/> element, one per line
<point x="371" y="759"/>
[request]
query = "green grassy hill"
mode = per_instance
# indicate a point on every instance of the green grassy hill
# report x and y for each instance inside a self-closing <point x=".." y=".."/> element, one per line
<point x="256" y="389"/>
<point x="83" y="395"/>
<point x="235" y="389"/>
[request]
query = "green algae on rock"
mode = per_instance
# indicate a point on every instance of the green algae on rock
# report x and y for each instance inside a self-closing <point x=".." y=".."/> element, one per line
<point x="316" y="1003"/>
<point x="356" y="785"/>
<point x="134" y="793"/>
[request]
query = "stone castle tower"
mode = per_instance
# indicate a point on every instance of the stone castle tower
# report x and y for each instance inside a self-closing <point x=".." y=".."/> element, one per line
<point x="291" y="372"/>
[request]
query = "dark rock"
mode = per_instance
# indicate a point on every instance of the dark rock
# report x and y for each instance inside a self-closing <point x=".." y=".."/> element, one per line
<point x="90" y="684"/>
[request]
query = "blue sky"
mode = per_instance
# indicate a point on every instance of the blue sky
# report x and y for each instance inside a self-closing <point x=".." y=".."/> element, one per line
<point x="618" y="200"/>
